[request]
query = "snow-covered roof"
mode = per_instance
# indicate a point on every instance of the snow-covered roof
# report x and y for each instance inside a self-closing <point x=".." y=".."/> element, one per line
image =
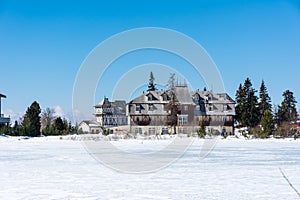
<point x="183" y="95"/>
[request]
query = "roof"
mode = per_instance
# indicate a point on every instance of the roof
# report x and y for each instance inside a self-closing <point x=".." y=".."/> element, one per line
<point x="183" y="95"/>
<point x="103" y="102"/>
<point x="2" y="96"/>
<point x="90" y="123"/>
<point x="119" y="106"/>
<point x="215" y="97"/>
<point x="142" y="98"/>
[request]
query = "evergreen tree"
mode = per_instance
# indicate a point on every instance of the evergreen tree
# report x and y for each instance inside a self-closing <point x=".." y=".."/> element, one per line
<point x="267" y="123"/>
<point x="70" y="127"/>
<point x="240" y="99"/>
<point x="66" y="129"/>
<point x="276" y="114"/>
<point x="25" y="127"/>
<point x="75" y="128"/>
<point x="287" y="111"/>
<point x="16" y="129"/>
<point x="151" y="85"/>
<point x="4" y="129"/>
<point x="247" y="111"/>
<point x="265" y="100"/>
<point x="202" y="131"/>
<point x="252" y="117"/>
<point x="58" y="126"/>
<point x="32" y="121"/>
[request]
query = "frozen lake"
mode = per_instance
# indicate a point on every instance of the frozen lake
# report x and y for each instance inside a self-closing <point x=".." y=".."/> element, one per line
<point x="49" y="168"/>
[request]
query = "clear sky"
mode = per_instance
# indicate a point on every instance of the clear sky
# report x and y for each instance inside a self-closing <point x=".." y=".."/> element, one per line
<point x="43" y="43"/>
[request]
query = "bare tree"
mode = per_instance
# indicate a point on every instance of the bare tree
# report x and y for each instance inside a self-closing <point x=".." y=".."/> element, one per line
<point x="171" y="82"/>
<point x="173" y="111"/>
<point x="47" y="118"/>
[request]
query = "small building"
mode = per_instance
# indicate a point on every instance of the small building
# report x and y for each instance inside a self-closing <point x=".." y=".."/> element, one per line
<point x="107" y="115"/>
<point x="90" y="127"/>
<point x="3" y="119"/>
<point x="111" y="114"/>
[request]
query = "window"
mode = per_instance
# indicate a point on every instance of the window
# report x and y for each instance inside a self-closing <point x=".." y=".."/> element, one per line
<point x="164" y="131"/>
<point x="106" y="110"/>
<point x="150" y="97"/>
<point x="151" y="131"/>
<point x="225" y="108"/>
<point x="185" y="108"/>
<point x="182" y="119"/>
<point x="138" y="131"/>
<point x="197" y="108"/>
<point x="138" y="107"/>
<point x="211" y="107"/>
<point x="165" y="97"/>
<point x="197" y="98"/>
<point x="209" y="97"/>
<point x="178" y="108"/>
<point x="151" y="107"/>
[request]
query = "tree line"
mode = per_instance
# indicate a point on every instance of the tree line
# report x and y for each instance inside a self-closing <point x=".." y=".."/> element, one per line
<point x="252" y="111"/>
<point x="36" y="122"/>
<point x="260" y="117"/>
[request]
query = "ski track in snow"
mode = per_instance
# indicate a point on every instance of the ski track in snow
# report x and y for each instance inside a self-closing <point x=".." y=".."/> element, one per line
<point x="49" y="168"/>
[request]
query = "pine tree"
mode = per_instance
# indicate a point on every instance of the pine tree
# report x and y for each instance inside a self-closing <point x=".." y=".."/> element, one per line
<point x="268" y="124"/>
<point x="252" y="117"/>
<point x="5" y="129"/>
<point x="287" y="111"/>
<point x="276" y="114"/>
<point x="202" y="131"/>
<point x="16" y="129"/>
<point x="151" y="85"/>
<point x="32" y="121"/>
<point x="265" y="100"/>
<point x="240" y="99"/>
<point x="247" y="112"/>
<point x="58" y="126"/>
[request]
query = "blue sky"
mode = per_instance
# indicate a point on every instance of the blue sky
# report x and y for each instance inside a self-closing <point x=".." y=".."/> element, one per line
<point x="43" y="43"/>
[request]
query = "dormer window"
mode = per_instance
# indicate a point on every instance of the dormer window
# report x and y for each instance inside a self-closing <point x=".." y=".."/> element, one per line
<point x="197" y="98"/>
<point x="150" y="97"/>
<point x="185" y="108"/>
<point x="138" y="107"/>
<point x="209" y="97"/>
<point x="165" y="97"/>
<point x="151" y="107"/>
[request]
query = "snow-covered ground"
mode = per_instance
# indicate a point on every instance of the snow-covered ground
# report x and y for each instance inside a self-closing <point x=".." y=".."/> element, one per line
<point x="51" y="168"/>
